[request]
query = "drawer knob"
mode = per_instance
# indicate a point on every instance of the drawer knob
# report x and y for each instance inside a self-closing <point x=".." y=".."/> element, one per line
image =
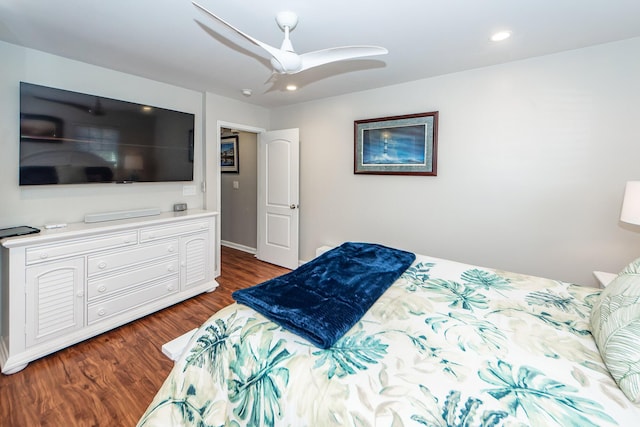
<point x="170" y="248"/>
<point x="102" y="288"/>
<point x="44" y="255"/>
<point x="102" y="265"/>
<point x="102" y="312"/>
<point x="170" y="267"/>
<point x="170" y="288"/>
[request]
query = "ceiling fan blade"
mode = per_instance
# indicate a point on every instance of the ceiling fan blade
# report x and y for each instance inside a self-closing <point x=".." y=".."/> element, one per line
<point x="277" y="54"/>
<point x="326" y="56"/>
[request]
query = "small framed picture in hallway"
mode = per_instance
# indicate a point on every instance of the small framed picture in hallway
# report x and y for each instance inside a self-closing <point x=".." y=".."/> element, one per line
<point x="229" y="154"/>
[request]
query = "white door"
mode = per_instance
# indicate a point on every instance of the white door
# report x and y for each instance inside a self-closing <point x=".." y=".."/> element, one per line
<point x="278" y="197"/>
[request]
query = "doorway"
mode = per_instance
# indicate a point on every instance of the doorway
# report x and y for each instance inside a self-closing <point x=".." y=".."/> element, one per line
<point x="239" y="191"/>
<point x="277" y="183"/>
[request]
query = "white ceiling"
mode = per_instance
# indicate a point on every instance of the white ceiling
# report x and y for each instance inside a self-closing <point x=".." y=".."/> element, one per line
<point x="174" y="42"/>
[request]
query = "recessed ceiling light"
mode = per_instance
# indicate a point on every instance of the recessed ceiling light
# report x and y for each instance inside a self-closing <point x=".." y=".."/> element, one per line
<point x="292" y="87"/>
<point x="500" y="36"/>
<point x="247" y="92"/>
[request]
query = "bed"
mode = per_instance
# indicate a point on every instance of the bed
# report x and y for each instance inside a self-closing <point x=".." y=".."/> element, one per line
<point x="445" y="344"/>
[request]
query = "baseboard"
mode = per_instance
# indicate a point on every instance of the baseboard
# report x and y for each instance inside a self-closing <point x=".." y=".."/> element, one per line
<point x="239" y="247"/>
<point x="254" y="251"/>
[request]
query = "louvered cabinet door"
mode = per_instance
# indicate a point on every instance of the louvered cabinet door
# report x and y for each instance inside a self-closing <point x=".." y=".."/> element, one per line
<point x="194" y="264"/>
<point x="54" y="300"/>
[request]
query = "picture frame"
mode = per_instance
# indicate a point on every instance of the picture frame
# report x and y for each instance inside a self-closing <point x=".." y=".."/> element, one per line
<point x="40" y="128"/>
<point x="397" y="145"/>
<point x="229" y="156"/>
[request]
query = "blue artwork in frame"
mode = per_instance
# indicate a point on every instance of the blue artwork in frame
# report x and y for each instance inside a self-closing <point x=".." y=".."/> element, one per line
<point x="398" y="145"/>
<point x="229" y="155"/>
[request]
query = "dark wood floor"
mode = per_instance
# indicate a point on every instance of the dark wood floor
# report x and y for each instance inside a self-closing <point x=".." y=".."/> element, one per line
<point x="110" y="380"/>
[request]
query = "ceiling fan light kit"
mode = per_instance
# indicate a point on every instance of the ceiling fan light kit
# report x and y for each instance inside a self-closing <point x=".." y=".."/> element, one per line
<point x="286" y="61"/>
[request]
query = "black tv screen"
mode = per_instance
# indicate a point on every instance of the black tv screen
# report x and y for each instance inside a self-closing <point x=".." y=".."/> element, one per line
<point x="71" y="138"/>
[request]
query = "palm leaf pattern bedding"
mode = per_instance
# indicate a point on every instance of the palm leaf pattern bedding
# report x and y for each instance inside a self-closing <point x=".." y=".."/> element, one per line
<point x="448" y="344"/>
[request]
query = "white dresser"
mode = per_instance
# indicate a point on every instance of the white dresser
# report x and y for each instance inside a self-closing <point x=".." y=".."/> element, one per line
<point x="62" y="286"/>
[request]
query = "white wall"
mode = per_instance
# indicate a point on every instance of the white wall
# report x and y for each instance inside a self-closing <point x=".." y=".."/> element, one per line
<point x="532" y="161"/>
<point x="70" y="203"/>
<point x="225" y="112"/>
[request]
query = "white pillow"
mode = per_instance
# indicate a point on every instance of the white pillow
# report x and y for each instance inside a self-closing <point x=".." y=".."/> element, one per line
<point x="615" y="325"/>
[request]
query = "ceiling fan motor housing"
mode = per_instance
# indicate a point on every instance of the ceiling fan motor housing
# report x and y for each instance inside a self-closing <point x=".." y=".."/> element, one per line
<point x="287" y="63"/>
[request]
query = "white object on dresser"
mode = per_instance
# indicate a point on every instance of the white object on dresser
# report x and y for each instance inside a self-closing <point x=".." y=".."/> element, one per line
<point x="62" y="286"/>
<point x="112" y="216"/>
<point x="604" y="278"/>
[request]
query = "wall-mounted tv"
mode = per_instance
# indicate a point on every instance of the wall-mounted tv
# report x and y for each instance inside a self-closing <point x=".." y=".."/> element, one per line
<point x="71" y="138"/>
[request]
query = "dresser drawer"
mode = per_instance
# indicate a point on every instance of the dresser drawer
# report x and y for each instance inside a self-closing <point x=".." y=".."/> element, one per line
<point x="45" y="253"/>
<point x="99" y="311"/>
<point x="154" y="233"/>
<point x="102" y="263"/>
<point x="104" y="286"/>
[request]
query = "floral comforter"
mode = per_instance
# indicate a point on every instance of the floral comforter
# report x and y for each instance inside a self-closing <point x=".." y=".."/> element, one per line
<point x="448" y="344"/>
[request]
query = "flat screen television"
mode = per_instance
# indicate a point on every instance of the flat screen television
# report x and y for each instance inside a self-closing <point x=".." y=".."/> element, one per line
<point x="72" y="138"/>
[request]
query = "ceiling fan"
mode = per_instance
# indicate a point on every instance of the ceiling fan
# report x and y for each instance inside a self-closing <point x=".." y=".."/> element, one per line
<point x="286" y="61"/>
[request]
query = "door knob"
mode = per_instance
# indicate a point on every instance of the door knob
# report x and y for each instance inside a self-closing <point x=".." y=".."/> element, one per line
<point x="292" y="206"/>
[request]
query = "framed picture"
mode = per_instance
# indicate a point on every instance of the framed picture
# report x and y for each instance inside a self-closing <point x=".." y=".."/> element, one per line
<point x="229" y="154"/>
<point x="397" y="145"/>
<point x="38" y="127"/>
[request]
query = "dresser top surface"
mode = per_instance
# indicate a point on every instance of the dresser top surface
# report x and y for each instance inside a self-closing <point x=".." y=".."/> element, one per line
<point x="81" y="229"/>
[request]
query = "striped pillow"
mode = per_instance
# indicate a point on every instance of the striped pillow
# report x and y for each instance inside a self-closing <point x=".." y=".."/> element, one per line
<point x="615" y="325"/>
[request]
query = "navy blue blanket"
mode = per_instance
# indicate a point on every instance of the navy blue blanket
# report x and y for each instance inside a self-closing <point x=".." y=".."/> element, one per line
<point x="322" y="299"/>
